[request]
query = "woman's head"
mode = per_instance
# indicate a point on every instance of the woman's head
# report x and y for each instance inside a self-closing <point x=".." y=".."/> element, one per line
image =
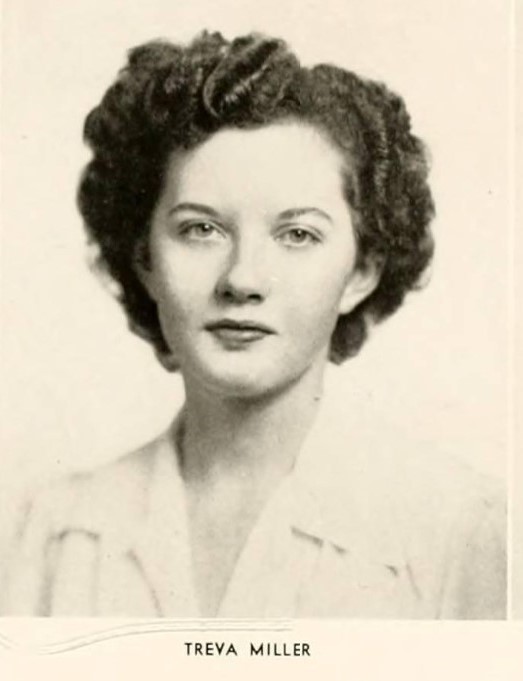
<point x="171" y="99"/>
<point x="252" y="258"/>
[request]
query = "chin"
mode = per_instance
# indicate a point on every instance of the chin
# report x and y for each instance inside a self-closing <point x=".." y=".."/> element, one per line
<point x="243" y="386"/>
<point x="247" y="380"/>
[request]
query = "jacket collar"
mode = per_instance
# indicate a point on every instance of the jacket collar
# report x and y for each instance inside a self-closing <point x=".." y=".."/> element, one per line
<point x="344" y="487"/>
<point x="341" y="490"/>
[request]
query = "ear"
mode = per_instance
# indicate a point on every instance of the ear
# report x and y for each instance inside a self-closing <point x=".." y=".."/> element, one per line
<point x="143" y="268"/>
<point x="362" y="281"/>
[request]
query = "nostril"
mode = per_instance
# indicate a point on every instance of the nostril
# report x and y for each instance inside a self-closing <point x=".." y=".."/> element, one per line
<point x="235" y="294"/>
<point x="243" y="281"/>
<point x="254" y="297"/>
<point x="226" y="294"/>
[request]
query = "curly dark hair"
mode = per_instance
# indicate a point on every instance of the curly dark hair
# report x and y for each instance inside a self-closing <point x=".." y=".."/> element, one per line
<point x="171" y="97"/>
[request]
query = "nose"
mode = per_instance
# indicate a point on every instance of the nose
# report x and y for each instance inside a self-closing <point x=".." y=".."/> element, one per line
<point x="245" y="278"/>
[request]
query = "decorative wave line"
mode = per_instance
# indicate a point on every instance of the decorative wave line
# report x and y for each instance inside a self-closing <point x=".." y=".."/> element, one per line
<point x="7" y="643"/>
<point x="148" y="628"/>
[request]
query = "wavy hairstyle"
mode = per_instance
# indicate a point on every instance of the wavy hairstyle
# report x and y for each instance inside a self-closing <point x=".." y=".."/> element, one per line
<point x="170" y="97"/>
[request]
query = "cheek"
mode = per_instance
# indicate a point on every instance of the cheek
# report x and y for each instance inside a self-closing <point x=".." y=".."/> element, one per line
<point x="314" y="308"/>
<point x="321" y="284"/>
<point x="182" y="286"/>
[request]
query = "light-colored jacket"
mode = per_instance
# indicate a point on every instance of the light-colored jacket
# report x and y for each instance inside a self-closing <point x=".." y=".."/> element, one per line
<point x="366" y="526"/>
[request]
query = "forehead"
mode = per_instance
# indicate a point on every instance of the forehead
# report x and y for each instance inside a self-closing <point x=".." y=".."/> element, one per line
<point x="281" y="164"/>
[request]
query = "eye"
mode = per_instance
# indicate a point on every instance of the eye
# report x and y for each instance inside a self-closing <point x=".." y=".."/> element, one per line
<point x="298" y="237"/>
<point x="201" y="230"/>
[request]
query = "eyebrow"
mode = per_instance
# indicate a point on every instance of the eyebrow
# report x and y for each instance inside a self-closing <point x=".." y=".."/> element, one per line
<point x="288" y="214"/>
<point x="292" y="213"/>
<point x="194" y="207"/>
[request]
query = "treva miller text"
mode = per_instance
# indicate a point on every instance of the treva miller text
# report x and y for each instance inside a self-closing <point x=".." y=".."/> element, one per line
<point x="263" y="649"/>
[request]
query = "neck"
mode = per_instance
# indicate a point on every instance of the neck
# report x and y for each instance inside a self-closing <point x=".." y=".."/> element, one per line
<point x="256" y="438"/>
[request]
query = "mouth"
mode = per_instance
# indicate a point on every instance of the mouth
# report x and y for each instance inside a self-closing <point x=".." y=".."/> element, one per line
<point x="236" y="332"/>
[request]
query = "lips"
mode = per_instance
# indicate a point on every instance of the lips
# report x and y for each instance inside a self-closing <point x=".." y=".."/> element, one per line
<point x="234" y="332"/>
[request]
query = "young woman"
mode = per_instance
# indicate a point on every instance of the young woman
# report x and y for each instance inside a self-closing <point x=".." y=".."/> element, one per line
<point x="258" y="218"/>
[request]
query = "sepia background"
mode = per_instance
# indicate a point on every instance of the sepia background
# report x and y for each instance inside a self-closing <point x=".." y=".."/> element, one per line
<point x="79" y="389"/>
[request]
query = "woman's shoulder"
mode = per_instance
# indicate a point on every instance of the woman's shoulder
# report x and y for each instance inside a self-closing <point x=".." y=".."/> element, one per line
<point x="76" y="516"/>
<point x="428" y="483"/>
<point x="424" y="507"/>
<point x="395" y="461"/>
<point x="452" y="520"/>
<point x="438" y="480"/>
<point x="88" y="499"/>
<point x="432" y="488"/>
<point x="444" y="497"/>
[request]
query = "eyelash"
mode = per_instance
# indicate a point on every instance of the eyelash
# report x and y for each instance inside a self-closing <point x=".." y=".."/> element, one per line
<point x="310" y="237"/>
<point x="193" y="230"/>
<point x="189" y="229"/>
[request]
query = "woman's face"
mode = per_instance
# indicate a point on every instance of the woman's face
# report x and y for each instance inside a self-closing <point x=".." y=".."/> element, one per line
<point x="252" y="258"/>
